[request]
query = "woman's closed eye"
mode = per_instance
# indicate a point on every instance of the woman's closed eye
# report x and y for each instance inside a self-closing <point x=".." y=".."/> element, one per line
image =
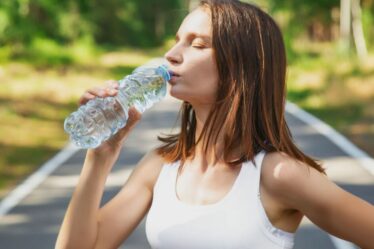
<point x="198" y="46"/>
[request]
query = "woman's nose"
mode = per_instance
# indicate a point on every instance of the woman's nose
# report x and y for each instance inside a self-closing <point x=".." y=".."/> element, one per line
<point x="173" y="56"/>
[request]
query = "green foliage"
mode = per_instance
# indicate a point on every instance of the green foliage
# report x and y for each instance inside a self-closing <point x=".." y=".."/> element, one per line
<point x="44" y="52"/>
<point x="296" y="17"/>
<point x="304" y="11"/>
<point x="47" y="51"/>
<point x="70" y="24"/>
<point x="367" y="21"/>
<point x="142" y="23"/>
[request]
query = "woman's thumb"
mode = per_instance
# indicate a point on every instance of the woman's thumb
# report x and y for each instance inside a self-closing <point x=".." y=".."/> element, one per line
<point x="133" y="119"/>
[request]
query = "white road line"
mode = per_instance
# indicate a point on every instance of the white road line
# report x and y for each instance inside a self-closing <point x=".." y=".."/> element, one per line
<point x="20" y="192"/>
<point x="343" y="143"/>
<point x="338" y="139"/>
<point x="33" y="181"/>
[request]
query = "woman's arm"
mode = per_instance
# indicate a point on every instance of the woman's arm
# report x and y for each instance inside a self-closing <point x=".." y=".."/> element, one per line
<point x="87" y="226"/>
<point x="121" y="215"/>
<point x="335" y="210"/>
<point x="80" y="226"/>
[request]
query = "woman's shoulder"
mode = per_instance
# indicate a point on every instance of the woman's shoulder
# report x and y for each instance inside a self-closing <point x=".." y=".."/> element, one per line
<point x="149" y="167"/>
<point x="280" y="165"/>
<point x="285" y="177"/>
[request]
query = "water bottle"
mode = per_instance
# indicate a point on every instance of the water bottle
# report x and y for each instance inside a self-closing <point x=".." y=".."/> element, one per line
<point x="100" y="118"/>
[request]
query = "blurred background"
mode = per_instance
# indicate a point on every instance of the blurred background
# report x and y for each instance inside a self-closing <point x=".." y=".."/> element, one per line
<point x="51" y="51"/>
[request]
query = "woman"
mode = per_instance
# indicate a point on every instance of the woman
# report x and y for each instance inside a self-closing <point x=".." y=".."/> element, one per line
<point x="232" y="177"/>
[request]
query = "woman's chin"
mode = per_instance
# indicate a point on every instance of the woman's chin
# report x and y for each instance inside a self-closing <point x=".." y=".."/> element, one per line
<point x="177" y="95"/>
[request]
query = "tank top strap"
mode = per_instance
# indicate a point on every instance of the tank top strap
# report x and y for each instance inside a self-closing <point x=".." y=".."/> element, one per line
<point x="259" y="158"/>
<point x="249" y="180"/>
<point x="273" y="233"/>
<point x="164" y="184"/>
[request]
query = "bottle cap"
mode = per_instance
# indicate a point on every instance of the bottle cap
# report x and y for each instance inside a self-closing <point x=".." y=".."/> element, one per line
<point x="163" y="70"/>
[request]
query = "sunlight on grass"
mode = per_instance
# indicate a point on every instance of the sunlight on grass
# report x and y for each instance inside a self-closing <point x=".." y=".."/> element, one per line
<point x="339" y="90"/>
<point x="124" y="58"/>
<point x="36" y="98"/>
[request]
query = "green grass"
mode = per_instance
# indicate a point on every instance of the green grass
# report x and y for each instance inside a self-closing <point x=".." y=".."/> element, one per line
<point x="337" y="89"/>
<point x="40" y="88"/>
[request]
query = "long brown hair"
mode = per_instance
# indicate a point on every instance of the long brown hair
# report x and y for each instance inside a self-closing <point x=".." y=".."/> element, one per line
<point x="250" y="101"/>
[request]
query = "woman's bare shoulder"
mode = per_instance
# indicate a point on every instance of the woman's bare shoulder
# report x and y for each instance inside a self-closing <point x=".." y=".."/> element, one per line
<point x="149" y="168"/>
<point x="278" y="157"/>
<point x="300" y="187"/>
<point x="282" y="166"/>
<point x="284" y="176"/>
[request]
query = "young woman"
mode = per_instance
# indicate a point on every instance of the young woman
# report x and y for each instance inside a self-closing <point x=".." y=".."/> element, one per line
<point x="232" y="177"/>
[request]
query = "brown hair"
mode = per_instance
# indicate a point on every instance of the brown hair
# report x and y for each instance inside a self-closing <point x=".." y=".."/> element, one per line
<point x="250" y="101"/>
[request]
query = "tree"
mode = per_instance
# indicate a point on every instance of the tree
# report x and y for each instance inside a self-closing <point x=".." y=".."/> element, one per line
<point x="126" y="22"/>
<point x="357" y="28"/>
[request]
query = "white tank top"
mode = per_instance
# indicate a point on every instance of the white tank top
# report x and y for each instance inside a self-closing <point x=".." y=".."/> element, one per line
<point x="237" y="221"/>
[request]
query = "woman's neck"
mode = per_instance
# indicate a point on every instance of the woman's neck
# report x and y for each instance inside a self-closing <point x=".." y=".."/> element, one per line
<point x="201" y="115"/>
<point x="215" y="148"/>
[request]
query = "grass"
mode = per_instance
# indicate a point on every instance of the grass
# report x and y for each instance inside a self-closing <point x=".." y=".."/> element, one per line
<point x="37" y="92"/>
<point x="338" y="89"/>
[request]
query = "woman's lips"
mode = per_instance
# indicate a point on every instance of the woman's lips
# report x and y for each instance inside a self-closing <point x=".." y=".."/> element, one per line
<point x="172" y="73"/>
<point x="174" y="79"/>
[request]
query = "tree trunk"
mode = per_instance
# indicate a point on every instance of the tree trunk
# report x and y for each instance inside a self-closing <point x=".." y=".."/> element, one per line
<point x="358" y="33"/>
<point x="345" y="24"/>
<point x="160" y="24"/>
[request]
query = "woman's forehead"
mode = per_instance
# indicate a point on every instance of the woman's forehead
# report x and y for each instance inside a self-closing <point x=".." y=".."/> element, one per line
<point x="197" y="22"/>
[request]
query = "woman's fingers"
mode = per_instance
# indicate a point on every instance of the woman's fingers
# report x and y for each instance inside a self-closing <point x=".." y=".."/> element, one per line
<point x="111" y="89"/>
<point x="102" y="92"/>
<point x="134" y="118"/>
<point x="85" y="98"/>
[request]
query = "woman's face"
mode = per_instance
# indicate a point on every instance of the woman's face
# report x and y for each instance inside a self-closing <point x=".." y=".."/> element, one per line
<point x="192" y="59"/>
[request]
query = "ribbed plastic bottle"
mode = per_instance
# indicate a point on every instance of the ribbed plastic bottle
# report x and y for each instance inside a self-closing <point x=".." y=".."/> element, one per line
<point x="101" y="118"/>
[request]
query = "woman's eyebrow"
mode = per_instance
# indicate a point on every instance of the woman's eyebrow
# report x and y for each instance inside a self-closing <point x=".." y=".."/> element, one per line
<point x="205" y="37"/>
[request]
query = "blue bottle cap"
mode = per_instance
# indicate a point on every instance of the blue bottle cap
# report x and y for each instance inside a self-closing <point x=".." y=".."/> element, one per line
<point x="163" y="70"/>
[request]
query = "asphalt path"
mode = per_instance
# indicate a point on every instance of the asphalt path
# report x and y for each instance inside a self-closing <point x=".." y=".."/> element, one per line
<point x="35" y="221"/>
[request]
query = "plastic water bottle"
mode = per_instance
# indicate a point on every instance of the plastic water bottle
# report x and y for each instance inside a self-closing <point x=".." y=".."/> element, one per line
<point x="100" y="118"/>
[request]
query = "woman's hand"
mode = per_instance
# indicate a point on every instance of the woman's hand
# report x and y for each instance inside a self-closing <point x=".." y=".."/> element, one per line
<point x="115" y="143"/>
<point x="80" y="228"/>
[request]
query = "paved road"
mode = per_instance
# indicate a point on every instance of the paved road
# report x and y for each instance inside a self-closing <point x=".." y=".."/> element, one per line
<point x="34" y="223"/>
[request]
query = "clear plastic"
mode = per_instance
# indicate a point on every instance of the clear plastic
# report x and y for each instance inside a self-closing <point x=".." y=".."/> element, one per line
<point x="101" y="118"/>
